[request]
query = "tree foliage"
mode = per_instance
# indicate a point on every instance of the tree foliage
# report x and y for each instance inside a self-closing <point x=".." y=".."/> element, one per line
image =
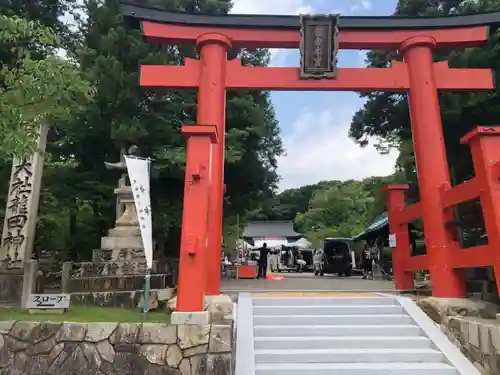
<point x="34" y="91"/>
<point x="339" y="210"/>
<point x="329" y="208"/>
<point x="343" y="209"/>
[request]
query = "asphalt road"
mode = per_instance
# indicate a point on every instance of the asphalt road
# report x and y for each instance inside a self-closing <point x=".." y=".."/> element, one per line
<point x="307" y="282"/>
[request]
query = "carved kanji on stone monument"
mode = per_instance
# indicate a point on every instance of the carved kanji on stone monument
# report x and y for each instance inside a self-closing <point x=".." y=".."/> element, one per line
<point x="16" y="216"/>
<point x="22" y="205"/>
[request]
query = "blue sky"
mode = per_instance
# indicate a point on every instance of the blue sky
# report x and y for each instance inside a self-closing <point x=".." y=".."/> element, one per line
<point x="314" y="125"/>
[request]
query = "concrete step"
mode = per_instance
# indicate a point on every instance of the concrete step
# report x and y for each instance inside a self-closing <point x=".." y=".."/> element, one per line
<point x="325" y="335"/>
<point x="343" y="342"/>
<point x="336" y="330"/>
<point x="360" y="320"/>
<point x="347" y="355"/>
<point x="328" y="310"/>
<point x="324" y="301"/>
<point x="354" y="369"/>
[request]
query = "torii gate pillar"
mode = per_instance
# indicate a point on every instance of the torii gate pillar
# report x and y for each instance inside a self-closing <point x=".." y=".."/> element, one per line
<point x="432" y="165"/>
<point x="192" y="262"/>
<point x="212" y="110"/>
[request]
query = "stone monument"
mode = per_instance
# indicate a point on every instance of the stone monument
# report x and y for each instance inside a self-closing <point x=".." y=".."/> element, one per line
<point x="18" y="236"/>
<point x="115" y="277"/>
<point x="19" y="224"/>
<point x="126" y="233"/>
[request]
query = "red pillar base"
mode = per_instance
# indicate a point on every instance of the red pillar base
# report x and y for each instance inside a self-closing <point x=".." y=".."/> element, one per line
<point x="402" y="252"/>
<point x="192" y="262"/>
<point x="404" y="281"/>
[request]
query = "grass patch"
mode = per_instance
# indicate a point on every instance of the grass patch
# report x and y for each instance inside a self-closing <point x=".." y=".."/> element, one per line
<point x="86" y="314"/>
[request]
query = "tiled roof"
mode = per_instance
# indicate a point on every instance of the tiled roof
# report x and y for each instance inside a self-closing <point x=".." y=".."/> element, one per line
<point x="270" y="229"/>
<point x="379" y="222"/>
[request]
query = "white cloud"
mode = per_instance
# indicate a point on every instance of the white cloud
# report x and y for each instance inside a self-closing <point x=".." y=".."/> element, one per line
<point x="270" y="7"/>
<point x="286" y="7"/>
<point x="363" y="5"/>
<point x="366" y="4"/>
<point x="318" y="148"/>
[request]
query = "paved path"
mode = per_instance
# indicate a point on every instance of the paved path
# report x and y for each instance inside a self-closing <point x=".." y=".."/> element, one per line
<point x="308" y="282"/>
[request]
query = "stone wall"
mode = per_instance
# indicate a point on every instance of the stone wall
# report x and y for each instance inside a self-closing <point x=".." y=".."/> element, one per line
<point x="479" y="340"/>
<point x="124" y="299"/>
<point x="31" y="348"/>
<point x="472" y="325"/>
<point x="112" y="283"/>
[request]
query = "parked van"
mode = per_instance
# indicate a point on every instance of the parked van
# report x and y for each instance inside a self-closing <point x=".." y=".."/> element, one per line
<point x="334" y="258"/>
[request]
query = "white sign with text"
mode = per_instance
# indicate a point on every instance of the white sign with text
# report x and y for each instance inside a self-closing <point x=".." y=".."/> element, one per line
<point x="48" y="301"/>
<point x="392" y="240"/>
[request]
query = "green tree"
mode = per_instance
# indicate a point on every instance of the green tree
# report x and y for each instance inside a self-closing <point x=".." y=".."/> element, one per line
<point x="47" y="13"/>
<point x="34" y="92"/>
<point x="287" y="204"/>
<point x="340" y="210"/>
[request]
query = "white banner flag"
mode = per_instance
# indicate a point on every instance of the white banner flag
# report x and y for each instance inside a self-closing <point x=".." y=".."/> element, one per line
<point x="138" y="172"/>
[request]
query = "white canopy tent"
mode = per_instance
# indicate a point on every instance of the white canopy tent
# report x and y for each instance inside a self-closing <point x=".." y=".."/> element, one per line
<point x="302" y="243"/>
<point x="272" y="244"/>
<point x="243" y="245"/>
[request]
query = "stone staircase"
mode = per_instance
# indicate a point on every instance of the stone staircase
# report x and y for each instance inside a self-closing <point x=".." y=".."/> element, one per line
<point x="342" y="336"/>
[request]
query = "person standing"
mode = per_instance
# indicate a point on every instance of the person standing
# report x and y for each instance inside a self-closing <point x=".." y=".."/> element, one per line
<point x="376" y="269"/>
<point x="367" y="262"/>
<point x="264" y="251"/>
<point x="273" y="260"/>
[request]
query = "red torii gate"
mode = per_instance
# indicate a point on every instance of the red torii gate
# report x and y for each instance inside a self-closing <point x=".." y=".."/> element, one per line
<point x="213" y="74"/>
